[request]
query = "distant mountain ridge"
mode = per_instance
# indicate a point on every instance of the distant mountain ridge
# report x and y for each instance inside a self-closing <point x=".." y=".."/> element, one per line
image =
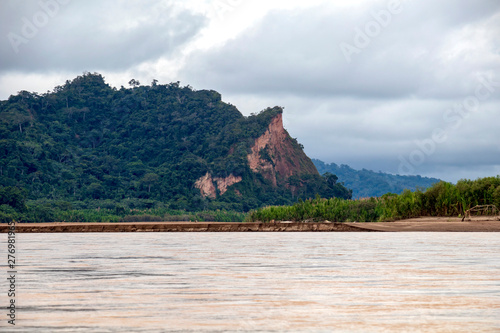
<point x="366" y="183"/>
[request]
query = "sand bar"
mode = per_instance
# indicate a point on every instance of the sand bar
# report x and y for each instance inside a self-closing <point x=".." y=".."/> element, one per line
<point x="430" y="224"/>
<point x="435" y="224"/>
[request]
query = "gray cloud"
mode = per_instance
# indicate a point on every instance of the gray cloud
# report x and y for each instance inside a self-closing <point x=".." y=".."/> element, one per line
<point x="298" y="52"/>
<point x="90" y="35"/>
<point x="369" y="112"/>
<point x="376" y="109"/>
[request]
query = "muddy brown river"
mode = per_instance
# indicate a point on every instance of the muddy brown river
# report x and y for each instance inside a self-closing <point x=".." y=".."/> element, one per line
<point x="255" y="282"/>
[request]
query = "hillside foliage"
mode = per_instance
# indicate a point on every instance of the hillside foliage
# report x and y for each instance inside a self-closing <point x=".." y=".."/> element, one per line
<point x="91" y="146"/>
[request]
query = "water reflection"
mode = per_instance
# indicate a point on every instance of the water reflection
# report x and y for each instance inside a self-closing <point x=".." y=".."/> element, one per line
<point x="264" y="282"/>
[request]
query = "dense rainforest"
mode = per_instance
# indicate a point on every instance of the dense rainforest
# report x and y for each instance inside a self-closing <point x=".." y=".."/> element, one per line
<point x="366" y="183"/>
<point x="86" y="145"/>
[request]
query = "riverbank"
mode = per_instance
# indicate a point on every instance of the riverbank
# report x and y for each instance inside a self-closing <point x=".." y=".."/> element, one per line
<point x="181" y="227"/>
<point x="434" y="224"/>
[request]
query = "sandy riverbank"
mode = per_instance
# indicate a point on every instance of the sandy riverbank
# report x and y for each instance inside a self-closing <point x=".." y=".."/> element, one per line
<point x="438" y="224"/>
<point x="435" y="224"/>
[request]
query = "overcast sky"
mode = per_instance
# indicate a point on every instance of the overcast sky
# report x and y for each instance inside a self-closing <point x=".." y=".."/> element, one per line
<point x="410" y="86"/>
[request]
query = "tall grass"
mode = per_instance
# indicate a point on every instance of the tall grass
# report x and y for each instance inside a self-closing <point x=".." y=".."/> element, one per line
<point x="442" y="199"/>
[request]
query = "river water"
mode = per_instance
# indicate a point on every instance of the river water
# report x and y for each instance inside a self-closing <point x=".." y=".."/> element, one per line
<point x="256" y="282"/>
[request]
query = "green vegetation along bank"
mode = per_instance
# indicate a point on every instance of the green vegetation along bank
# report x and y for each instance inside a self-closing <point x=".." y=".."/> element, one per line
<point x="442" y="199"/>
<point x="15" y="207"/>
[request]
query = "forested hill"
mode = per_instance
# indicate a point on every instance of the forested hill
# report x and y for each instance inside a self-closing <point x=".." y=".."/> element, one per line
<point x="366" y="183"/>
<point x="144" y="145"/>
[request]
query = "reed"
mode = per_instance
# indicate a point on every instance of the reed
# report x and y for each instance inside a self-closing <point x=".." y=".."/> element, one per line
<point x="442" y="199"/>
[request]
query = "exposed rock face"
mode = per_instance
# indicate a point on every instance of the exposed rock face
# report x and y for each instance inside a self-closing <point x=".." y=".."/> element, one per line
<point x="277" y="156"/>
<point x="224" y="183"/>
<point x="207" y="188"/>
<point x="274" y="154"/>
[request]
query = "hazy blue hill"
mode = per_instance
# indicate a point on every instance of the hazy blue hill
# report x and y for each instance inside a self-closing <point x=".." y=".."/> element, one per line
<point x="367" y="183"/>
